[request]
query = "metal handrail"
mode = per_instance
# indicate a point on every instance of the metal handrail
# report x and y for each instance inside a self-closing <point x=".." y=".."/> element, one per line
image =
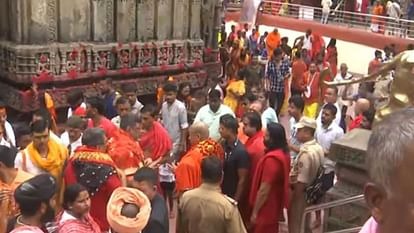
<point x="383" y="24"/>
<point x="329" y="205"/>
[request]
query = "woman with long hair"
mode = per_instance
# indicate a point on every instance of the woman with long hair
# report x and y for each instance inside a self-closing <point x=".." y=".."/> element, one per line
<point x="75" y="215"/>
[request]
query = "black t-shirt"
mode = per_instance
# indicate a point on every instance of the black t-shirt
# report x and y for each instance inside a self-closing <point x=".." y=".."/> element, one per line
<point x="158" y="221"/>
<point x="235" y="158"/>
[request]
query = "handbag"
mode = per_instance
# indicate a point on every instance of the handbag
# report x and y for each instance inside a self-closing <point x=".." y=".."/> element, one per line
<point x="314" y="192"/>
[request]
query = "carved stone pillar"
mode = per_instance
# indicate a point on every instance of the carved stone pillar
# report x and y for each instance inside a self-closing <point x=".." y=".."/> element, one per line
<point x="195" y="20"/>
<point x="349" y="154"/>
<point x="126" y="17"/>
<point x="181" y="19"/>
<point x="103" y="20"/>
<point x="163" y="26"/>
<point x="145" y="19"/>
<point x="33" y="22"/>
<point x="75" y="21"/>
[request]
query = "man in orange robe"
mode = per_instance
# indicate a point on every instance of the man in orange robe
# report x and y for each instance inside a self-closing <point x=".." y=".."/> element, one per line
<point x="272" y="42"/>
<point x="154" y="138"/>
<point x="124" y="148"/>
<point x="188" y="171"/>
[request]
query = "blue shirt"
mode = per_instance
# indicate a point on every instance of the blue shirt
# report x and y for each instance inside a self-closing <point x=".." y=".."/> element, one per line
<point x="276" y="75"/>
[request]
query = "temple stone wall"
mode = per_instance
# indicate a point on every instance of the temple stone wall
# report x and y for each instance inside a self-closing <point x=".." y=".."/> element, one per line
<point x="48" y="21"/>
<point x="75" y="21"/>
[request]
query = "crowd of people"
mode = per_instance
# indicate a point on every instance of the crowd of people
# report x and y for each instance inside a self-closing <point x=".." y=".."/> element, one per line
<point x="220" y="154"/>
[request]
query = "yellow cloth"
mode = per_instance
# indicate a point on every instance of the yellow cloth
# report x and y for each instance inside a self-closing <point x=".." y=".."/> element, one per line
<point x="311" y="110"/>
<point x="55" y="160"/>
<point x="234" y="91"/>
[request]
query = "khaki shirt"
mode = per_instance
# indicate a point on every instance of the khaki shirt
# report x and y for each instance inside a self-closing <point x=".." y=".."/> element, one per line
<point x="306" y="165"/>
<point x="206" y="210"/>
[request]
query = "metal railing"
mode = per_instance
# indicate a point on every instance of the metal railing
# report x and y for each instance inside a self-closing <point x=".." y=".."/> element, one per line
<point x="329" y="205"/>
<point x="375" y="23"/>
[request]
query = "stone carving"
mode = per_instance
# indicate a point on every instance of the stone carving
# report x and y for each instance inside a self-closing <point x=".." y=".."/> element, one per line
<point x="179" y="55"/>
<point x="110" y="18"/>
<point x="84" y="63"/>
<point x="52" y="20"/>
<point x="207" y="20"/>
<point x="102" y="61"/>
<point x="72" y="61"/>
<point x="196" y="52"/>
<point x="195" y="20"/>
<point x="145" y="20"/>
<point x="124" y="59"/>
<point x="164" y="22"/>
<point x="135" y="56"/>
<point x="43" y="65"/>
<point x="146" y="56"/>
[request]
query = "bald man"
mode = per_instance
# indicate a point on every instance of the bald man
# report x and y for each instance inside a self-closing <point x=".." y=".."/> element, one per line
<point x="361" y="105"/>
<point x="187" y="172"/>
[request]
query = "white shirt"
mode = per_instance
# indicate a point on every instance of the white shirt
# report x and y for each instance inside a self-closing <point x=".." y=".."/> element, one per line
<point x="326" y="5"/>
<point x="307" y="42"/>
<point x="351" y="91"/>
<point x="393" y="10"/>
<point x="212" y="119"/>
<point x="269" y="116"/>
<point x="10" y="133"/>
<point x="116" y="121"/>
<point x="166" y="174"/>
<point x="174" y="119"/>
<point x="73" y="146"/>
<point x="30" y="166"/>
<point x="337" y="119"/>
<point x="325" y="137"/>
<point x="136" y="109"/>
<point x="292" y="139"/>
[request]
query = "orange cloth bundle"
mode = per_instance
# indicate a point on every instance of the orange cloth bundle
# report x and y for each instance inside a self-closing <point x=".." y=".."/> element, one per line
<point x="119" y="198"/>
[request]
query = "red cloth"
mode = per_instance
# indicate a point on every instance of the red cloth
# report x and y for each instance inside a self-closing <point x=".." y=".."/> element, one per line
<point x="86" y="225"/>
<point x="124" y="150"/>
<point x="374" y="65"/>
<point x="256" y="150"/>
<point x="355" y="123"/>
<point x="332" y="58"/>
<point x="156" y="141"/>
<point x="317" y="44"/>
<point x="80" y="111"/>
<point x="106" y="125"/>
<point x="273" y="169"/>
<point x="101" y="198"/>
<point x="299" y="68"/>
<point x="188" y="171"/>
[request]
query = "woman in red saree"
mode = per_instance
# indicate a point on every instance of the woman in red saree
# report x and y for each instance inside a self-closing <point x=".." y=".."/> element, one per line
<point x="331" y="56"/>
<point x="75" y="216"/>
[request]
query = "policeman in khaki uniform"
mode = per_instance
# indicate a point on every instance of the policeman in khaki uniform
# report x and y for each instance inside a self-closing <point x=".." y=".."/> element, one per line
<point x="205" y="209"/>
<point x="304" y="170"/>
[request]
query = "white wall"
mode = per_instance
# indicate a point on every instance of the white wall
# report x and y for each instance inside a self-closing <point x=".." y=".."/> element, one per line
<point x="356" y="56"/>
